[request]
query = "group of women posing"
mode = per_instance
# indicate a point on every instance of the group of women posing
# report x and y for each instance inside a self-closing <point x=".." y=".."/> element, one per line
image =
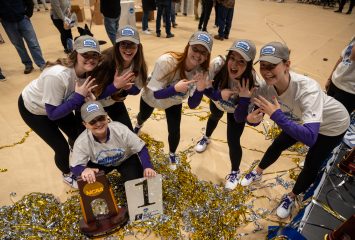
<point x="295" y="102"/>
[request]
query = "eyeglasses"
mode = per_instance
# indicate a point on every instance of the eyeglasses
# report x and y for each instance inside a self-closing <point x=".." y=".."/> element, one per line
<point x="240" y="62"/>
<point x="92" y="55"/>
<point x="267" y="66"/>
<point x="203" y="52"/>
<point x="128" y="45"/>
<point x="97" y="119"/>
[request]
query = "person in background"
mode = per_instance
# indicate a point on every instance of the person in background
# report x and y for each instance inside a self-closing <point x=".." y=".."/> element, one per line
<point x="164" y="9"/>
<point x="15" y="18"/>
<point x="148" y="6"/>
<point x="35" y="2"/>
<point x="207" y="6"/>
<point x="111" y="9"/>
<point x="298" y="105"/>
<point x="60" y="9"/>
<point x="225" y="18"/>
<point x="107" y="145"/>
<point x="341" y="82"/>
<point x="47" y="103"/>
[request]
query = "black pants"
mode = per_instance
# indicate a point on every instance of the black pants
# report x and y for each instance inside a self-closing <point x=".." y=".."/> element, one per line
<point x="314" y="158"/>
<point x="207" y="6"/>
<point x="234" y="132"/>
<point x="342" y="4"/>
<point x="347" y="99"/>
<point x="173" y="118"/>
<point x="64" y="33"/>
<point x="50" y="132"/>
<point x="130" y="169"/>
<point x="118" y="112"/>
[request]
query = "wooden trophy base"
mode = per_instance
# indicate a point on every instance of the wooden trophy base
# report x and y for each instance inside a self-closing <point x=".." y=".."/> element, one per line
<point x="104" y="225"/>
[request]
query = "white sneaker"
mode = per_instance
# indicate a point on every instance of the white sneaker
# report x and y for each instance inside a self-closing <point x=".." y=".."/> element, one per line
<point x="147" y="32"/>
<point x="202" y="144"/>
<point x="232" y="180"/>
<point x="70" y="179"/>
<point x="285" y="207"/>
<point x="250" y="177"/>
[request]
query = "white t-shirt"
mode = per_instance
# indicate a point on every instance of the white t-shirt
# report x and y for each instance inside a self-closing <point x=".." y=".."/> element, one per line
<point x="55" y="85"/>
<point x="305" y="102"/>
<point x="344" y="75"/>
<point x="159" y="80"/>
<point x="138" y="82"/>
<point x="122" y="144"/>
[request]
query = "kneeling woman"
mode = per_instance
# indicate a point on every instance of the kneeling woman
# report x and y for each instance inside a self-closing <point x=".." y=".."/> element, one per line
<point x="106" y="146"/>
<point x="298" y="105"/>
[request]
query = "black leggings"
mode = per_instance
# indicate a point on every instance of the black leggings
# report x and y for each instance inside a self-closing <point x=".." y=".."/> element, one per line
<point x="118" y="112"/>
<point x="347" y="99"/>
<point x="50" y="132"/>
<point x="173" y="118"/>
<point x="314" y="158"/>
<point x="207" y="6"/>
<point x="130" y="169"/>
<point x="234" y="132"/>
<point x="64" y="33"/>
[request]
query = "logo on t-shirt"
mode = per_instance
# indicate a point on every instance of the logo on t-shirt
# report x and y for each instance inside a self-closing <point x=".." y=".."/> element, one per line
<point x="110" y="157"/>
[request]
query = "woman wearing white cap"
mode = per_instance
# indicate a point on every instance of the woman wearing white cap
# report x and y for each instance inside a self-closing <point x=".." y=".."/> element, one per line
<point x="47" y="103"/>
<point x="234" y="77"/>
<point x="297" y="104"/>
<point x="175" y="77"/>
<point x="122" y="72"/>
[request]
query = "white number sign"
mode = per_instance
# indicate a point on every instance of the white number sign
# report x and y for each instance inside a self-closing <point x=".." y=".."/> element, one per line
<point x="144" y="197"/>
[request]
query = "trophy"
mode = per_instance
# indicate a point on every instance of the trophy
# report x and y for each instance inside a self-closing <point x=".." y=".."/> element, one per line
<point x="101" y="215"/>
<point x="346" y="231"/>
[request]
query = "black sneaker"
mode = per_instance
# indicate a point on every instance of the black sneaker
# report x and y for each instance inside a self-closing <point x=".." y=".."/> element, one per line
<point x="158" y="34"/>
<point x="28" y="69"/>
<point x="170" y="35"/>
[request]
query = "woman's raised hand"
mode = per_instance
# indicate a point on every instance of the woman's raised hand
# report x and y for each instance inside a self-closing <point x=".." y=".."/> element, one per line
<point x="183" y="85"/>
<point x="244" y="89"/>
<point x="86" y="87"/>
<point x="124" y="81"/>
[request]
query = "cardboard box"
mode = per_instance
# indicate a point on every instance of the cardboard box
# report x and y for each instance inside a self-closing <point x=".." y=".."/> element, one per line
<point x="139" y="16"/>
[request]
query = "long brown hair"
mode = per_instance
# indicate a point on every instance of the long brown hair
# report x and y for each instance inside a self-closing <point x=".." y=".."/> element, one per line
<point x="69" y="61"/>
<point x="222" y="77"/>
<point x="112" y="60"/>
<point x="180" y="58"/>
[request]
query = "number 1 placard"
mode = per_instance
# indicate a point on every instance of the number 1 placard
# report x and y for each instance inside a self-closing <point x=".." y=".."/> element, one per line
<point x="144" y="197"/>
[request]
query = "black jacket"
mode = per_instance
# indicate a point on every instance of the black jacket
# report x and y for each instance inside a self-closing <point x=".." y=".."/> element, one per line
<point x="15" y="10"/>
<point x="110" y="8"/>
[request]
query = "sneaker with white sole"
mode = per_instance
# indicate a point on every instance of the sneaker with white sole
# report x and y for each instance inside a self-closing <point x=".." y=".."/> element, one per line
<point x="174" y="161"/>
<point x="147" y="32"/>
<point x="70" y="179"/>
<point x="202" y="144"/>
<point x="285" y="207"/>
<point x="250" y="177"/>
<point x="232" y="180"/>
